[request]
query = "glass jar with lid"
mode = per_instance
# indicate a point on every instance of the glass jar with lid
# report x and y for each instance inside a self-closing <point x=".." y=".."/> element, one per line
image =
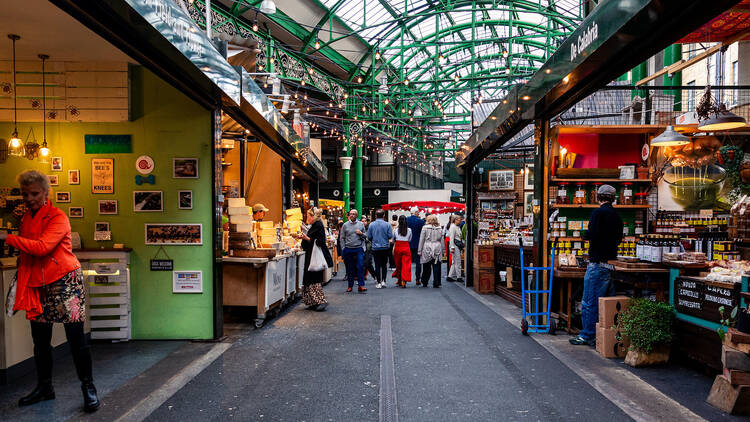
<point x="580" y="193"/>
<point x="562" y="193"/>
<point x="626" y="194"/>
<point x="641" y="198"/>
<point x="594" y="192"/>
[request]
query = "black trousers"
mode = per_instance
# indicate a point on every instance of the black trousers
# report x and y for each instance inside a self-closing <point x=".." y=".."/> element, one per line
<point x="434" y="267"/>
<point x="391" y="261"/>
<point x="41" y="333"/>
<point x="415" y="260"/>
<point x="381" y="264"/>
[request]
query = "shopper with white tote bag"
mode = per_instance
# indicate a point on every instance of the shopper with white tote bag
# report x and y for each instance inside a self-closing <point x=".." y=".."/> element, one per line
<point x="317" y="260"/>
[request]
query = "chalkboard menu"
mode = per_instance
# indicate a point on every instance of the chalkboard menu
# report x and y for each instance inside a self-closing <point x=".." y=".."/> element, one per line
<point x="702" y="299"/>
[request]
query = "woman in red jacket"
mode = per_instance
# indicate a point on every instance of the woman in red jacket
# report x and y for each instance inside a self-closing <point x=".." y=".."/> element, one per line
<point x="50" y="288"/>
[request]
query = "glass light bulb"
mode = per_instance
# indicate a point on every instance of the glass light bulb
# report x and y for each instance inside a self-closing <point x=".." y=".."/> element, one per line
<point x="44" y="151"/>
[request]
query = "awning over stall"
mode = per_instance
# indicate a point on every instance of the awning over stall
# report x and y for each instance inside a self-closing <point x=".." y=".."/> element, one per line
<point x="433" y="207"/>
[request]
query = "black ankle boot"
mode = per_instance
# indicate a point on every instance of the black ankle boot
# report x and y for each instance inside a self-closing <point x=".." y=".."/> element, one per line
<point x="90" y="400"/>
<point x="42" y="392"/>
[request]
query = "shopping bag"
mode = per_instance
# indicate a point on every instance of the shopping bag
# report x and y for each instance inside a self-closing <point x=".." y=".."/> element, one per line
<point x="10" y="300"/>
<point x="317" y="260"/>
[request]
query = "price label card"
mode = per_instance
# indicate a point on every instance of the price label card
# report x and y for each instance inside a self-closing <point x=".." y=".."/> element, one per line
<point x="707" y="213"/>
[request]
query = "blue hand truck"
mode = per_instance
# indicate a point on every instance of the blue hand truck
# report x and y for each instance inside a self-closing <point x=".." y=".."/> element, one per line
<point x="534" y="326"/>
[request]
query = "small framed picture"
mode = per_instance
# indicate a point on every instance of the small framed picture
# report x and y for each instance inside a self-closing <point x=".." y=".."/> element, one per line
<point x="501" y="180"/>
<point x="75" y="212"/>
<point x="185" y="199"/>
<point x="101" y="226"/>
<point x="56" y="163"/>
<point x="54" y="180"/>
<point x="528" y="179"/>
<point x="185" y="168"/>
<point x="101" y="231"/>
<point x="62" y="196"/>
<point x="528" y="204"/>
<point x="74" y="177"/>
<point x="148" y="201"/>
<point x="174" y="234"/>
<point x="107" y="207"/>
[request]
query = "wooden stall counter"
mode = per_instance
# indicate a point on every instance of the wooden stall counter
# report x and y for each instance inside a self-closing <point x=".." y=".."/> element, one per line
<point x="257" y="282"/>
<point x="567" y="278"/>
<point x="642" y="276"/>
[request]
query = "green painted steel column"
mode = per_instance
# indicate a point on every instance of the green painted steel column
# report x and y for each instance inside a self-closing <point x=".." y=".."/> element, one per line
<point x="639" y="72"/>
<point x="358" y="179"/>
<point x="672" y="55"/>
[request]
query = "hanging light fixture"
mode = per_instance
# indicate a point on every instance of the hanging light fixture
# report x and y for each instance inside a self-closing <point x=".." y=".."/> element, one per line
<point x="377" y="55"/>
<point x="505" y="53"/>
<point x="359" y="79"/>
<point x="722" y="119"/>
<point x="670" y="137"/>
<point x="15" y="145"/>
<point x="456" y="78"/>
<point x="317" y="44"/>
<point x="268" y="7"/>
<point x="255" y="25"/>
<point x="441" y="59"/>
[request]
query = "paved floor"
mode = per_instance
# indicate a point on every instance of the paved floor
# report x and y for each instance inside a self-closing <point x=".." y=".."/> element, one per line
<point x="454" y="360"/>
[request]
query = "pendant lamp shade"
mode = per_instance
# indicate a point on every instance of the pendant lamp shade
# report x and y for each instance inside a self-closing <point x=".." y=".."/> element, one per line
<point x="268" y="7"/>
<point x="383" y="88"/>
<point x="669" y="138"/>
<point x="723" y="120"/>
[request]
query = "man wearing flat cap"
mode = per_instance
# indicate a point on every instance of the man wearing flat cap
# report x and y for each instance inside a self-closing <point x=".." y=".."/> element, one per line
<point x="604" y="235"/>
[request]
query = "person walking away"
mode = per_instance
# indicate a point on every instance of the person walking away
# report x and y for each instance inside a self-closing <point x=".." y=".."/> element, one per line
<point x="380" y="233"/>
<point x="455" y="234"/>
<point x="415" y="224"/>
<point x="446" y="233"/>
<point x="604" y="235"/>
<point x="402" y="252"/>
<point x="312" y="281"/>
<point x="353" y="238"/>
<point x="49" y="288"/>
<point x="431" y="251"/>
<point x="394" y="225"/>
<point x="368" y="266"/>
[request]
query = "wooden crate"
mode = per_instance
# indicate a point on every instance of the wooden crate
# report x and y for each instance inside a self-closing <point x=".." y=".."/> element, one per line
<point x="484" y="257"/>
<point x="484" y="281"/>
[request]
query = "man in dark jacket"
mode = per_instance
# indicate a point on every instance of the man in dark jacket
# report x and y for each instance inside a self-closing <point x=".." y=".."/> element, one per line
<point x="415" y="224"/>
<point x="604" y="235"/>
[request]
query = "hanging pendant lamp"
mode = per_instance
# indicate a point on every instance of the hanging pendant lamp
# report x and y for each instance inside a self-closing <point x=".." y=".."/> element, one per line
<point x="44" y="150"/>
<point x="268" y="7"/>
<point x="723" y="119"/>
<point x="670" y="137"/>
<point x="15" y="145"/>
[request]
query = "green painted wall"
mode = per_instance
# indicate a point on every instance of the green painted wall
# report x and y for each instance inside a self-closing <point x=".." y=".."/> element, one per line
<point x="171" y="125"/>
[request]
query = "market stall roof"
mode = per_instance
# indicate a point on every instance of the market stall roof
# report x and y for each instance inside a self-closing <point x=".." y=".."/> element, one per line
<point x="614" y="38"/>
<point x="435" y="207"/>
<point x="723" y="27"/>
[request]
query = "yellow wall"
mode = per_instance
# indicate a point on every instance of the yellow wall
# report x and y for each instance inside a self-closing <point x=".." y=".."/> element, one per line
<point x="267" y="182"/>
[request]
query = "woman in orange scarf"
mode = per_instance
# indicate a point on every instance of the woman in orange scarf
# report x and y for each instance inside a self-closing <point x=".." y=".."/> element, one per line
<point x="50" y="287"/>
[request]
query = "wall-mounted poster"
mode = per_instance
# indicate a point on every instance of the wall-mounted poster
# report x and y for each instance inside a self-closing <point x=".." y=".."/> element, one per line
<point x="528" y="204"/>
<point x="501" y="179"/>
<point x="74" y="177"/>
<point x="691" y="189"/>
<point x="102" y="175"/>
<point x="54" y="180"/>
<point x="174" y="234"/>
<point x="148" y="201"/>
<point x="187" y="282"/>
<point x="185" y="168"/>
<point x="108" y="207"/>
<point x="528" y="177"/>
<point x="185" y="199"/>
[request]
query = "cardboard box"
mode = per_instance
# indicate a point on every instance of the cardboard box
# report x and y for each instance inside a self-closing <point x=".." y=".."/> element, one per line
<point x="610" y="308"/>
<point x="607" y="344"/>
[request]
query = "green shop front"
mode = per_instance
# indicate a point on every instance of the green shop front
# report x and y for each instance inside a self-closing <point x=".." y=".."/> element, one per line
<point x="128" y="102"/>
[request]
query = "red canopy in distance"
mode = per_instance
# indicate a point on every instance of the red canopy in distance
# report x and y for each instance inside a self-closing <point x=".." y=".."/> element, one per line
<point x="433" y="207"/>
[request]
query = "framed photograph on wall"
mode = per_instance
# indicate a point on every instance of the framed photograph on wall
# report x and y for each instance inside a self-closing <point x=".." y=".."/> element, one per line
<point x="74" y="177"/>
<point x="107" y="207"/>
<point x="62" y="197"/>
<point x="185" y="199"/>
<point x="56" y="163"/>
<point x="501" y="180"/>
<point x="174" y="234"/>
<point x="148" y="201"/>
<point x="528" y="177"/>
<point x="75" y="212"/>
<point x="528" y="204"/>
<point x="54" y="180"/>
<point x="185" y="168"/>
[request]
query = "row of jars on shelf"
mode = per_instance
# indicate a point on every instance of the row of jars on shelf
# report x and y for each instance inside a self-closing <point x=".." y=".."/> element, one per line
<point x="586" y="193"/>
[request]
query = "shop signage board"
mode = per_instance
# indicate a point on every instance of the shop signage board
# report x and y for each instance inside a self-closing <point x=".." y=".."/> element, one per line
<point x="300" y="270"/>
<point x="102" y="175"/>
<point x="291" y="271"/>
<point x="162" y="265"/>
<point x="178" y="28"/>
<point x="187" y="282"/>
<point x="275" y="281"/>
<point x="108" y="144"/>
<point x="702" y="299"/>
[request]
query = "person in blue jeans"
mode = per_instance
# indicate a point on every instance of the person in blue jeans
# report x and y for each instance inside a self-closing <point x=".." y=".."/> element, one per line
<point x="353" y="238"/>
<point x="380" y="233"/>
<point x="604" y="235"/>
<point x="415" y="224"/>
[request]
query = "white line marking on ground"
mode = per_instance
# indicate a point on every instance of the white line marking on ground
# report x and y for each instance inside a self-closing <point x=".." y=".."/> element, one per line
<point x="388" y="403"/>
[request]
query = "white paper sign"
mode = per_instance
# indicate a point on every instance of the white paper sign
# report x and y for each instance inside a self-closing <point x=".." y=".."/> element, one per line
<point x="275" y="281"/>
<point x="187" y="281"/>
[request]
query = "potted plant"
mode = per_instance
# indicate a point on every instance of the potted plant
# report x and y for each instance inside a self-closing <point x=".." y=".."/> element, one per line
<point x="650" y="327"/>
<point x="737" y="318"/>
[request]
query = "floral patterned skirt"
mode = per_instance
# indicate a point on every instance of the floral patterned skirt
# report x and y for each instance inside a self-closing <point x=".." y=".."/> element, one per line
<point x="64" y="300"/>
<point x="313" y="295"/>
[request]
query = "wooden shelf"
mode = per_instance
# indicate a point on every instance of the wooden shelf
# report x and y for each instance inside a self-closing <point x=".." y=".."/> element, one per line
<point x="557" y="179"/>
<point x="635" y="207"/>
